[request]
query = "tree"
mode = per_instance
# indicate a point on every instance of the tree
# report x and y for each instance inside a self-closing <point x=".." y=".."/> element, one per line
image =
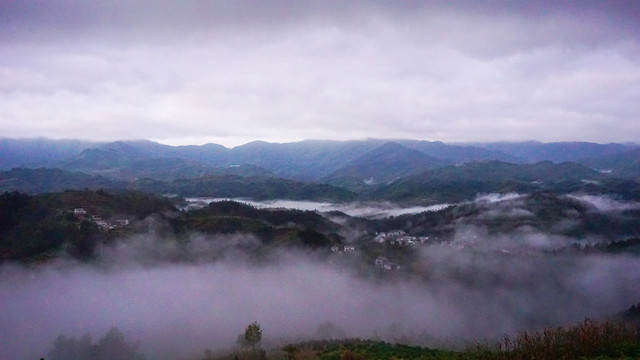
<point x="253" y="335"/>
<point x="328" y="330"/>
<point x="350" y="355"/>
<point x="112" y="346"/>
<point x="291" y="351"/>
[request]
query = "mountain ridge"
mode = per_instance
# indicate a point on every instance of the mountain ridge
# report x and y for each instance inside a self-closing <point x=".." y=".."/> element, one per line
<point x="308" y="160"/>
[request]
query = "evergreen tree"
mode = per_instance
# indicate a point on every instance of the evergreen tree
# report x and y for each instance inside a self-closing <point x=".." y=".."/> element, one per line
<point x="253" y="335"/>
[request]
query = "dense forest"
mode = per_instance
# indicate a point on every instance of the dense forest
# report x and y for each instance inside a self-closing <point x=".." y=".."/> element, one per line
<point x="77" y="222"/>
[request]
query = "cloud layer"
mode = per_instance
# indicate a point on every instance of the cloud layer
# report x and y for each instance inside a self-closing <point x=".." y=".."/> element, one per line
<point x="197" y="71"/>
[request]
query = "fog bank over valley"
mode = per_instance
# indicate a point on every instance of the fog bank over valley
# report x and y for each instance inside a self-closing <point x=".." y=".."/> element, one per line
<point x="180" y="308"/>
<point x="182" y="281"/>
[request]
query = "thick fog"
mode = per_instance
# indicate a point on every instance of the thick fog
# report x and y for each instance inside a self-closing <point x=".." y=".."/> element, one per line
<point x="178" y="301"/>
<point x="179" y="298"/>
<point x="607" y="204"/>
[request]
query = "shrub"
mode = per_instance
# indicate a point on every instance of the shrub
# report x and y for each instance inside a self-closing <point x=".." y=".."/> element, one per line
<point x="588" y="339"/>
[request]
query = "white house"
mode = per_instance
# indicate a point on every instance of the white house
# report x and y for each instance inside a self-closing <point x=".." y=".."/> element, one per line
<point x="384" y="263"/>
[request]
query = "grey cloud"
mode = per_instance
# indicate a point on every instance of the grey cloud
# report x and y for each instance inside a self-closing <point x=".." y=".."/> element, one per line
<point x="200" y="13"/>
<point x="284" y="71"/>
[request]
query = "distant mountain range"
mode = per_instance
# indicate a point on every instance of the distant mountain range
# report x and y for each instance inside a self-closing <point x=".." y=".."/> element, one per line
<point x="378" y="168"/>
<point x="533" y="151"/>
<point x="38" y="152"/>
<point x="308" y="160"/>
<point x="123" y="161"/>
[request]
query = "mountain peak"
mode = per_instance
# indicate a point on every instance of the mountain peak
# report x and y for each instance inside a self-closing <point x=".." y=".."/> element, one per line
<point x="120" y="147"/>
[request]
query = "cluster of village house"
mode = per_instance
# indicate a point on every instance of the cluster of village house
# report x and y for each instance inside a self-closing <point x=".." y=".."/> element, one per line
<point x="81" y="213"/>
<point x="343" y="249"/>
<point x="395" y="237"/>
<point x="399" y="237"/>
<point x="382" y="262"/>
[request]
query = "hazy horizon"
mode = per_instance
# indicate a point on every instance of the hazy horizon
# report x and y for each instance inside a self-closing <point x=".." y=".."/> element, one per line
<point x="257" y="140"/>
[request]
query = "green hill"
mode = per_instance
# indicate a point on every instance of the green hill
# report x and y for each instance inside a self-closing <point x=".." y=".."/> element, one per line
<point x="459" y="183"/>
<point x="623" y="165"/>
<point x="39" y="226"/>
<point x="41" y="180"/>
<point x="259" y="188"/>
<point x="380" y="166"/>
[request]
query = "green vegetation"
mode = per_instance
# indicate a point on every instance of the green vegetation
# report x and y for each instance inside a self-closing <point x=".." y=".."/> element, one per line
<point x="243" y="181"/>
<point x="542" y="211"/>
<point x="377" y="350"/>
<point x="258" y="188"/>
<point x="388" y="172"/>
<point x="276" y="227"/>
<point x="623" y="165"/>
<point x="459" y="183"/>
<point x="34" y="181"/>
<point x="380" y="166"/>
<point x="37" y="227"/>
<point x="252" y="336"/>
<point x="587" y="340"/>
<point x="42" y="226"/>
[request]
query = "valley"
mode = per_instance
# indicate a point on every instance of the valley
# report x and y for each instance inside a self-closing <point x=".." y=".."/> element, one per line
<point x="443" y="255"/>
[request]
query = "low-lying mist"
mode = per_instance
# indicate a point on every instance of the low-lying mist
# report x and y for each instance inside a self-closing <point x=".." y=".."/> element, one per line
<point x="179" y="300"/>
<point x="370" y="210"/>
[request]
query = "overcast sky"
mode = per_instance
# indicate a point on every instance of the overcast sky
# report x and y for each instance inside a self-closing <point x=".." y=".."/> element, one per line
<point x="229" y="72"/>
